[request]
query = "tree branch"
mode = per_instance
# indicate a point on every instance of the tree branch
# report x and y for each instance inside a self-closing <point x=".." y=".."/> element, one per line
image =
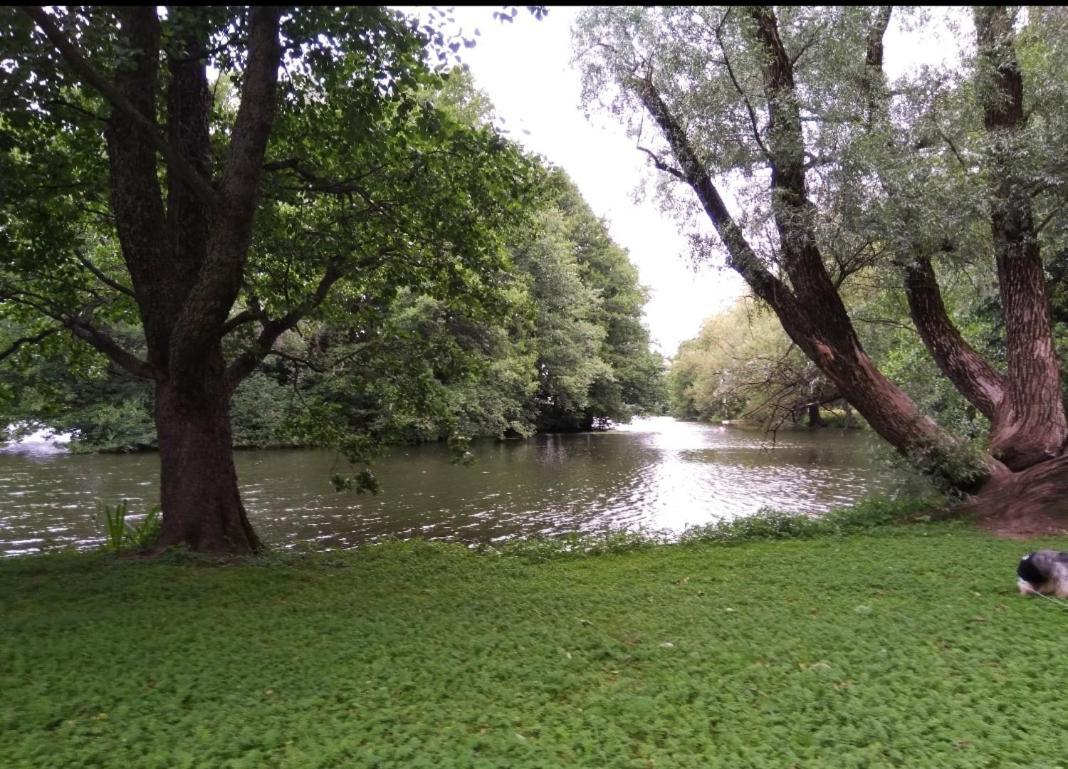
<point x="243" y="317"/>
<point x="81" y="329"/>
<point x="738" y="87"/>
<point x="1031" y="424"/>
<point x="874" y="80"/>
<point x="319" y="183"/>
<point x="255" y="116"/>
<point x="34" y="339"/>
<point x="976" y="379"/>
<point x="103" y="278"/>
<point x="792" y="209"/>
<point x="206" y="307"/>
<point x="662" y="166"/>
<point x="147" y="124"/>
<point x="105" y="344"/>
<point x="295" y="359"/>
<point x="245" y="363"/>
<point x="958" y="361"/>
<point x="740" y="254"/>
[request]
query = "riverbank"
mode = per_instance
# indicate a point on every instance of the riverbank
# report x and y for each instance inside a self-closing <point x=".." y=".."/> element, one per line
<point x="902" y="646"/>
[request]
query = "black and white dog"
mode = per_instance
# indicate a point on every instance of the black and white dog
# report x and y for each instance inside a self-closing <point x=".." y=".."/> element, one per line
<point x="1044" y="571"/>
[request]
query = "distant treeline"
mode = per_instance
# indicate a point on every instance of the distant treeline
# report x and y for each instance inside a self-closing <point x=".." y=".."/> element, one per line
<point x="560" y="346"/>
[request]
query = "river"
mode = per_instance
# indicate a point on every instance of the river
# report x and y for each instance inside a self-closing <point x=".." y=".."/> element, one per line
<point x="656" y="474"/>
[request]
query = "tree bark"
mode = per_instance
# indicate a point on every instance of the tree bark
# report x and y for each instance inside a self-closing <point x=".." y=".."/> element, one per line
<point x="1028" y="503"/>
<point x="198" y="481"/>
<point x="973" y="377"/>
<point x="1030" y="425"/>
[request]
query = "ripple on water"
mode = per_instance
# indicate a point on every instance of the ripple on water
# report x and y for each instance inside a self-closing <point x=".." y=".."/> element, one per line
<point x="656" y="474"/>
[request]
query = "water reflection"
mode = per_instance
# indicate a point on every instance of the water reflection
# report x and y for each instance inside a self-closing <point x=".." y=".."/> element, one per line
<point x="657" y="474"/>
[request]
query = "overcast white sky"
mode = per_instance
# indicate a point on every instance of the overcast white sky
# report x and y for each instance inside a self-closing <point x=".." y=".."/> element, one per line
<point x="525" y="69"/>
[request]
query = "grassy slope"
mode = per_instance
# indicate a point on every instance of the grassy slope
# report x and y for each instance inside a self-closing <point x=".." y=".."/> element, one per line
<point x="900" y="648"/>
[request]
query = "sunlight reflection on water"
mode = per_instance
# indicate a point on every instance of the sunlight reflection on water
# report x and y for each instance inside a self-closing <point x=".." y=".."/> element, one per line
<point x="655" y="474"/>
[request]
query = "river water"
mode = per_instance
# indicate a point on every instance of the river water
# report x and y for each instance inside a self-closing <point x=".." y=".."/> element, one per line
<point x="656" y="474"/>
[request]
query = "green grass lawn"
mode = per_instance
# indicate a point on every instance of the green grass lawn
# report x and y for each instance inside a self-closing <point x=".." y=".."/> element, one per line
<point x="902" y="647"/>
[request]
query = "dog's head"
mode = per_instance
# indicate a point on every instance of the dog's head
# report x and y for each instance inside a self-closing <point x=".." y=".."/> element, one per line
<point x="1028" y="570"/>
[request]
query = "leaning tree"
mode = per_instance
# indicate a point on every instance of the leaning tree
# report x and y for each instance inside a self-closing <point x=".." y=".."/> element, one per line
<point x="780" y="129"/>
<point x="183" y="186"/>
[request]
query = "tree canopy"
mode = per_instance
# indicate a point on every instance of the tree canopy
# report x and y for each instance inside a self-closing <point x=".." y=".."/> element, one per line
<point x="283" y="225"/>
<point x="834" y="172"/>
<point x="208" y="179"/>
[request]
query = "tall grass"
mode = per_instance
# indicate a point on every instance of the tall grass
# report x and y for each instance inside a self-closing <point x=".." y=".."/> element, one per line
<point x="121" y="533"/>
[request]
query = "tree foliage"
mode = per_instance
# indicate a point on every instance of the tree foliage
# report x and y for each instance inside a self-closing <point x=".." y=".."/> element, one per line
<point x="545" y="332"/>
<point x="743" y="366"/>
<point x="835" y="173"/>
<point x="213" y="179"/>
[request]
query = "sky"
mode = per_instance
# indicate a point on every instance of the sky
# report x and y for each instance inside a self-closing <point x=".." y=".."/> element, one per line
<point x="525" y="68"/>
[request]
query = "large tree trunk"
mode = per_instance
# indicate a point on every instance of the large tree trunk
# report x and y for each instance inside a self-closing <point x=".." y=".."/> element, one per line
<point x="811" y="311"/>
<point x="198" y="482"/>
<point x="186" y="255"/>
<point x="1030" y="426"/>
<point x="186" y="261"/>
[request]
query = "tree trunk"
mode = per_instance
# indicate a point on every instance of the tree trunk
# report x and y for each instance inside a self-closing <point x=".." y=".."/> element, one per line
<point x="186" y="258"/>
<point x="201" y="503"/>
<point x="814" y="418"/>
<point x="814" y="317"/>
<point x="1029" y="426"/>
<point x="1029" y="503"/>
